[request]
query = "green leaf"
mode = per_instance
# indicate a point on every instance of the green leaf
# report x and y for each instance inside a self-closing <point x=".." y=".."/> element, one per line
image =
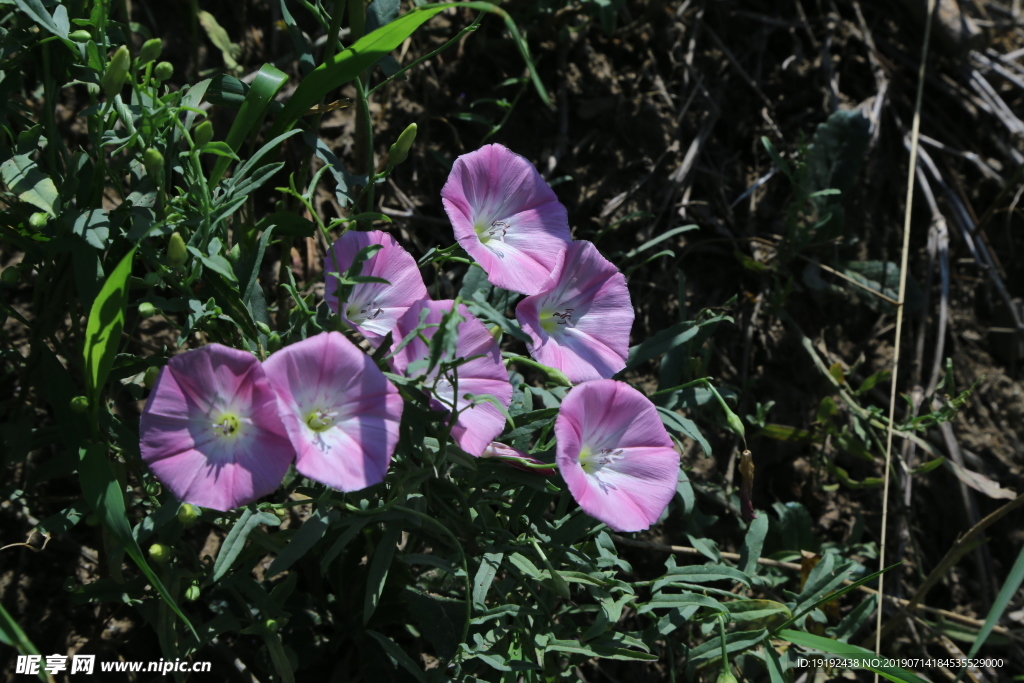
<point x="102" y="491"/>
<point x="834" y="647"/>
<point x="35" y="10"/>
<point x="227" y="298"/>
<point x="12" y="636"/>
<point x="219" y="37"/>
<point x="706" y="573"/>
<point x="398" y="656"/>
<point x="311" y="531"/>
<point x="489" y="564"/>
<point x="264" y="88"/>
<point x="757" y="610"/>
<point x="676" y="600"/>
<point x="1002" y="601"/>
<point x="668" y="339"/>
<point x="738" y="641"/>
<point x="379" y="567"/>
<point x="103" y="330"/>
<point x="23" y="178"/>
<point x="684" y="426"/>
<point x="235" y="541"/>
<point x="350" y="63"/>
<point x="753" y="542"/>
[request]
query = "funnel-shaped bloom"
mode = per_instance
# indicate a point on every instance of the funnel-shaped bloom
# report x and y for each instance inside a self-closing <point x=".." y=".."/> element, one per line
<point x="615" y="454"/>
<point x="373" y="307"/>
<point x="477" y="424"/>
<point x="210" y="430"/>
<point x="340" y="411"/>
<point x="580" y="323"/>
<point x="506" y="217"/>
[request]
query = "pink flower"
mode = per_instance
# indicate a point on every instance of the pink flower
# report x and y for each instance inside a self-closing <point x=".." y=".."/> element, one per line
<point x="340" y="412"/>
<point x="516" y="458"/>
<point x="210" y="430"/>
<point x="580" y="322"/>
<point x="615" y="454"/>
<point x="477" y="425"/>
<point x="506" y="217"/>
<point x="373" y="307"/>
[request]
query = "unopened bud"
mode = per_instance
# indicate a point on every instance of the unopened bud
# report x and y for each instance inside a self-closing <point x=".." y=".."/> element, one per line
<point x="726" y="677"/>
<point x="400" y="150"/>
<point x="116" y="72"/>
<point x="153" y="160"/>
<point x="163" y="71"/>
<point x="271" y="625"/>
<point x="234" y="254"/>
<point x="149" y="379"/>
<point x="10" y="276"/>
<point x="147" y="310"/>
<point x="263" y="327"/>
<point x="151" y="278"/>
<point x="159" y="553"/>
<point x="192" y="592"/>
<point x="80" y="36"/>
<point x="150" y="51"/>
<point x="177" y="254"/>
<point x="273" y="341"/>
<point x="188" y="514"/>
<point x="39" y="219"/>
<point x="80" y="404"/>
<point x="203" y="133"/>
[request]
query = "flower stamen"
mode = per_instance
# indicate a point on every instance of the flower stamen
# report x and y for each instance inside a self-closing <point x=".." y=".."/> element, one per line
<point x="321" y="419"/>
<point x="226" y="426"/>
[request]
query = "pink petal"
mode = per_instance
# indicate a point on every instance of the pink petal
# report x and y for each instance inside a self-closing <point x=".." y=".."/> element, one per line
<point x="375" y="306"/>
<point x="184" y="449"/>
<point x="476" y="427"/>
<point x="630" y="471"/>
<point x="506" y="217"/>
<point x="589" y="338"/>
<point x="356" y="409"/>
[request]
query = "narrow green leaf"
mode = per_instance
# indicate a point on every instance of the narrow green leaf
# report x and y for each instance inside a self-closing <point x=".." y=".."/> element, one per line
<point x="35" y="9"/>
<point x="676" y="600"/>
<point x="12" y="635"/>
<point x="379" y="566"/>
<point x="227" y="298"/>
<point x="398" y="655"/>
<point x="1002" y="601"/>
<point x="834" y="647"/>
<point x="103" y="330"/>
<point x="311" y="531"/>
<point x="235" y="541"/>
<point x="705" y="573"/>
<point x="102" y="491"/>
<point x="753" y="542"/>
<point x="484" y="577"/>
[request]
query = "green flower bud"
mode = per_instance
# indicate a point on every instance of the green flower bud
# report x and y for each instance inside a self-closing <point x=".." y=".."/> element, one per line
<point x="160" y="553"/>
<point x="80" y="36"/>
<point x="163" y="71"/>
<point x="271" y="625"/>
<point x="10" y="276"/>
<point x="188" y="514"/>
<point x="273" y="341"/>
<point x="153" y="160"/>
<point x="116" y="72"/>
<point x="79" y="404"/>
<point x="400" y="150"/>
<point x="726" y="677"/>
<point x="149" y="379"/>
<point x="147" y="310"/>
<point x="151" y="279"/>
<point x="177" y="254"/>
<point x="234" y="254"/>
<point x="150" y="51"/>
<point x="39" y="219"/>
<point x="203" y="133"/>
<point x="263" y="327"/>
<point x="192" y="592"/>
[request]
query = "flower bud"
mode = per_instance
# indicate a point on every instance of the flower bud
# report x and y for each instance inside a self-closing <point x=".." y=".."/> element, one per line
<point x="263" y="327"/>
<point x="39" y="219"/>
<point x="234" y="254"/>
<point x="147" y="310"/>
<point x="116" y="72"/>
<point x="192" y="592"/>
<point x="271" y="625"/>
<point x="151" y="278"/>
<point x="273" y="342"/>
<point x="163" y="71"/>
<point x="400" y="150"/>
<point x="150" y="51"/>
<point x="149" y="379"/>
<point x="80" y="36"/>
<point x="80" y="404"/>
<point x="188" y="514"/>
<point x="726" y="677"/>
<point x="159" y="553"/>
<point x="203" y="133"/>
<point x="153" y="160"/>
<point x="177" y="254"/>
<point x="10" y="276"/>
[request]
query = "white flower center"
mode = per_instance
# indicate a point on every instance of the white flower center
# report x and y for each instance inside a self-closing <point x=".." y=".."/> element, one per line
<point x="592" y="464"/>
<point x="226" y="426"/>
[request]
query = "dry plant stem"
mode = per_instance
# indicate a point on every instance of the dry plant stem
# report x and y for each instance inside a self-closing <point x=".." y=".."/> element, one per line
<point x="794" y="567"/>
<point x="915" y="131"/>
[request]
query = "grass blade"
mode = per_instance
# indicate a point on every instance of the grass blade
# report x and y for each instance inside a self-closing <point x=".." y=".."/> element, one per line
<point x="379" y="567"/>
<point x="103" y="331"/>
<point x="834" y="647"/>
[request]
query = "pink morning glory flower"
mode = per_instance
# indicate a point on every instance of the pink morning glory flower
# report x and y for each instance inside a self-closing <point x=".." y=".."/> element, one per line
<point x="373" y="307"/>
<point x="615" y="454"/>
<point x="506" y="217"/>
<point x="478" y="424"/>
<point x="580" y="322"/>
<point x="339" y="409"/>
<point x="210" y="430"/>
